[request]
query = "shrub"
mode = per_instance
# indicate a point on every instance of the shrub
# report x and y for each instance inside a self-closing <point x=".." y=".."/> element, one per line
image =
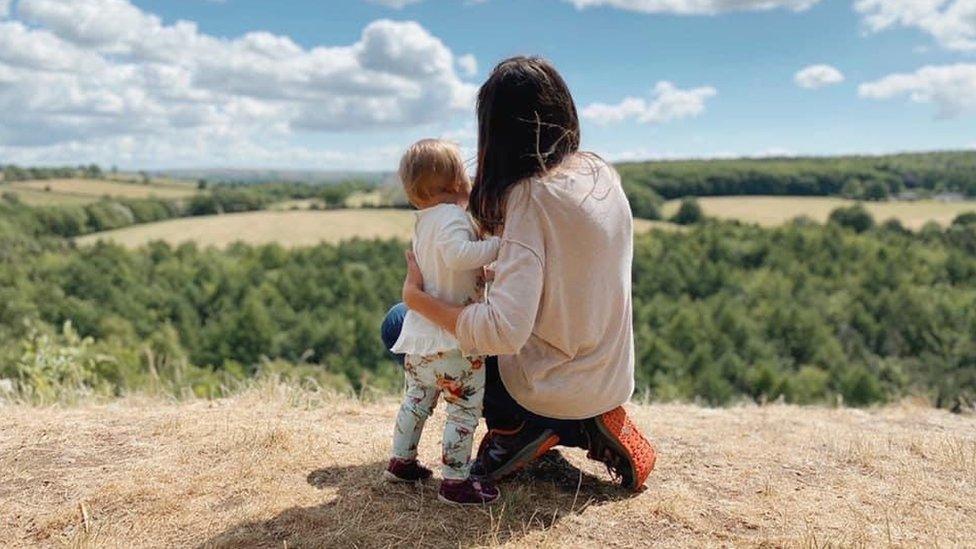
<point x="853" y="217"/>
<point x="688" y="213"/>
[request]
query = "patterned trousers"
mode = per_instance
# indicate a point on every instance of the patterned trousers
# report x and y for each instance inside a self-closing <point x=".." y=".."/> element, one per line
<point x="461" y="382"/>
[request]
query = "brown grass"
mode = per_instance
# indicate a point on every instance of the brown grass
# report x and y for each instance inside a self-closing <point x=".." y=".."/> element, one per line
<point x="776" y="210"/>
<point x="288" y="228"/>
<point x="278" y="467"/>
<point x="99" y="187"/>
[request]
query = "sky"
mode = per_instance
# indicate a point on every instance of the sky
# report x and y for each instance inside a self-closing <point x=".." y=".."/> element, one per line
<point x="348" y="84"/>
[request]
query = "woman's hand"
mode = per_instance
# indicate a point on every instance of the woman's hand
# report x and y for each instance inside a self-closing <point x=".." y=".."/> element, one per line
<point x="413" y="283"/>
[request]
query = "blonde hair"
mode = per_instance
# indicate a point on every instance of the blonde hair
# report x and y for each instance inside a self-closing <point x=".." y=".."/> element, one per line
<point x="432" y="166"/>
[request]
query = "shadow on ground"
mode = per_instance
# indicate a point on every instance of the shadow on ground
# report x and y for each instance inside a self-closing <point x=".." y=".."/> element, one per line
<point x="361" y="510"/>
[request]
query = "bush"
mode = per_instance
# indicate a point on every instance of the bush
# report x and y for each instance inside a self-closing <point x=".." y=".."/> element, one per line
<point x="967" y="218"/>
<point x="853" y="217"/>
<point x="689" y="212"/>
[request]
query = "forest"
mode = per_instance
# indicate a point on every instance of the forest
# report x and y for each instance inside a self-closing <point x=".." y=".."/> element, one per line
<point x="858" y="177"/>
<point x="851" y="311"/>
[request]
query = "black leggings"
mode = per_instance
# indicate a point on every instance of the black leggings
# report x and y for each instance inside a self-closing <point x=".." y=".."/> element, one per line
<point x="500" y="409"/>
<point x="502" y="412"/>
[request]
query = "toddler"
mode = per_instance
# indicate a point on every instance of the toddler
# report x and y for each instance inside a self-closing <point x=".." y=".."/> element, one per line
<point x="451" y="259"/>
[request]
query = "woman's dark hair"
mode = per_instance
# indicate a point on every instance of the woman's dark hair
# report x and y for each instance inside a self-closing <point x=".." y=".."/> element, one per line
<point x="527" y="124"/>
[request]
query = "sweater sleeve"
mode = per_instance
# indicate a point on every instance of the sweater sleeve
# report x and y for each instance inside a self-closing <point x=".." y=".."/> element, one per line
<point x="503" y="324"/>
<point x="459" y="248"/>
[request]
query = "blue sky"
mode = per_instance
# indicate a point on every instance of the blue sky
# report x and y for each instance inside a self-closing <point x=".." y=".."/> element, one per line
<point x="348" y="84"/>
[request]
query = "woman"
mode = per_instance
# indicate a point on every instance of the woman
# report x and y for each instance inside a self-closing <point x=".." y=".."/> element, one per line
<point x="558" y="316"/>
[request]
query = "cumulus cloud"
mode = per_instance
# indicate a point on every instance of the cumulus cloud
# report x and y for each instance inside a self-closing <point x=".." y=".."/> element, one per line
<point x="818" y="76"/>
<point x="952" y="88"/>
<point x="696" y="7"/>
<point x="951" y="22"/>
<point x="395" y="4"/>
<point x="668" y="102"/>
<point x="74" y="71"/>
<point x="5" y="8"/>
<point x="468" y="64"/>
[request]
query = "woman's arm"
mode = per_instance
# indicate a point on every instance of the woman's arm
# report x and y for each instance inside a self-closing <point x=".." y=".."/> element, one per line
<point x="439" y="312"/>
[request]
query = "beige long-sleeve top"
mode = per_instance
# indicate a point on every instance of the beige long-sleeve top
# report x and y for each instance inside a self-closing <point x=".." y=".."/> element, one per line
<point x="559" y="312"/>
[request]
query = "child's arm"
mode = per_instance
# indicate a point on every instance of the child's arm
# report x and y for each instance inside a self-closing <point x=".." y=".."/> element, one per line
<point x="460" y="251"/>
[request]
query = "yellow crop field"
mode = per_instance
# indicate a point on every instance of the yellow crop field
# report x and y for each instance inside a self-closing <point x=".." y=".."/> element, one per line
<point x="775" y="210"/>
<point x="288" y="228"/>
<point x="97" y="188"/>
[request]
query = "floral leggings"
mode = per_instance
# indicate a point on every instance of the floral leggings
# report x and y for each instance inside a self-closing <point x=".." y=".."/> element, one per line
<point x="461" y="381"/>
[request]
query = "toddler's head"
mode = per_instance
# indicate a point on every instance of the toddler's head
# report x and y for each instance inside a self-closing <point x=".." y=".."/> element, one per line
<point x="432" y="172"/>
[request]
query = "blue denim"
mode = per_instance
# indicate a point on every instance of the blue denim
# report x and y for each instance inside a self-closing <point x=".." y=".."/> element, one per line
<point x="392" y="325"/>
<point x="501" y="411"/>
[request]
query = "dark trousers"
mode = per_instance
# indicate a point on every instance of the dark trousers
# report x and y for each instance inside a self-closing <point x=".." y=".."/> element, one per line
<point x="501" y="411"/>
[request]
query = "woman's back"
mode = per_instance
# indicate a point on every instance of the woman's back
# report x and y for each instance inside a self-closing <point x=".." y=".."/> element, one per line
<point x="560" y="307"/>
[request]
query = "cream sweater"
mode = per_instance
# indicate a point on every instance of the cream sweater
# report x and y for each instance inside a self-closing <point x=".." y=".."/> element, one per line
<point x="559" y="312"/>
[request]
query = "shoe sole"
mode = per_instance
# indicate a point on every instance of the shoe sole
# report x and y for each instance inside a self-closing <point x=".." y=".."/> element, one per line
<point x="626" y="439"/>
<point x="390" y="477"/>
<point x="443" y="499"/>
<point x="527" y="455"/>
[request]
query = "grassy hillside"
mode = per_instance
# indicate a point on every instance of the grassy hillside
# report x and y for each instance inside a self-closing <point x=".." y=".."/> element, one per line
<point x="288" y="228"/>
<point x="279" y="467"/>
<point x="775" y="210"/>
<point x="48" y="192"/>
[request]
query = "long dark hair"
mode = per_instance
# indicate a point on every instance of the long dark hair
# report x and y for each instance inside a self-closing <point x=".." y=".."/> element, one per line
<point x="527" y="124"/>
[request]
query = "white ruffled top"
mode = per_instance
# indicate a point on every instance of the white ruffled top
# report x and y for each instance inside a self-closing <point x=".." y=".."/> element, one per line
<point x="451" y="259"/>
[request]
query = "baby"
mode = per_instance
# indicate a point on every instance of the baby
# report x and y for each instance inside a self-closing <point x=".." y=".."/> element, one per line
<point x="451" y="259"/>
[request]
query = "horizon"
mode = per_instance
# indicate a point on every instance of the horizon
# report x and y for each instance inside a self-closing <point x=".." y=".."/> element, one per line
<point x="205" y="84"/>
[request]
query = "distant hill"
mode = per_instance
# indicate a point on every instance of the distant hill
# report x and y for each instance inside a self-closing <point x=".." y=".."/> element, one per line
<point x="236" y="175"/>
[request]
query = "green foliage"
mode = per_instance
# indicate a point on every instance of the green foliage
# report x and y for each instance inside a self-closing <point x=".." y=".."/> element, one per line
<point x="858" y="177"/>
<point x="852" y="217"/>
<point x="722" y="312"/>
<point x="968" y="218"/>
<point x="689" y="212"/>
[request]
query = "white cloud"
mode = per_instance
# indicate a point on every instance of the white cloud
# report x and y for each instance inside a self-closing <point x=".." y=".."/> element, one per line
<point x="468" y="64"/>
<point x="952" y="88"/>
<point x="951" y="22"/>
<point x="696" y="7"/>
<point x="668" y="103"/>
<point x="818" y="76"/>
<point x="104" y="72"/>
<point x="5" y="8"/>
<point x="395" y="4"/>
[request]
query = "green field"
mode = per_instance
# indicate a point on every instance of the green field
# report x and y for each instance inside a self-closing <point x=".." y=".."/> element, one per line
<point x="776" y="210"/>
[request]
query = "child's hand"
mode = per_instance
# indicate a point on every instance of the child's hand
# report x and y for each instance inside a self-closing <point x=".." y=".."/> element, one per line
<point x="414" y="281"/>
<point x="489" y="272"/>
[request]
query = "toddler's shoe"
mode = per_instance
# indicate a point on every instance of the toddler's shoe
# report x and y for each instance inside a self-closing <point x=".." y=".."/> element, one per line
<point x="406" y="470"/>
<point x="467" y="492"/>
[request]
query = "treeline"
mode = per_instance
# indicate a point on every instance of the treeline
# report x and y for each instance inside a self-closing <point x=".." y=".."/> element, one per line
<point x="805" y="312"/>
<point x="13" y="172"/>
<point x="859" y="177"/>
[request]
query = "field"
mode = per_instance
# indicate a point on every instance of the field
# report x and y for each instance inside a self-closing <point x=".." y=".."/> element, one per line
<point x="280" y="467"/>
<point x="776" y="210"/>
<point x="288" y="228"/>
<point x="80" y="191"/>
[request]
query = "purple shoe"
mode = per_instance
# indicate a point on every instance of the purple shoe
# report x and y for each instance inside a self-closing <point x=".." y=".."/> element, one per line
<point x="467" y="492"/>
<point x="406" y="470"/>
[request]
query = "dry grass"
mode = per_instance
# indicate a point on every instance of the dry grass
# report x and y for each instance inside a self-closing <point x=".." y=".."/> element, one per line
<point x="42" y="198"/>
<point x="97" y="188"/>
<point x="277" y="467"/>
<point x="776" y="210"/>
<point x="288" y="228"/>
